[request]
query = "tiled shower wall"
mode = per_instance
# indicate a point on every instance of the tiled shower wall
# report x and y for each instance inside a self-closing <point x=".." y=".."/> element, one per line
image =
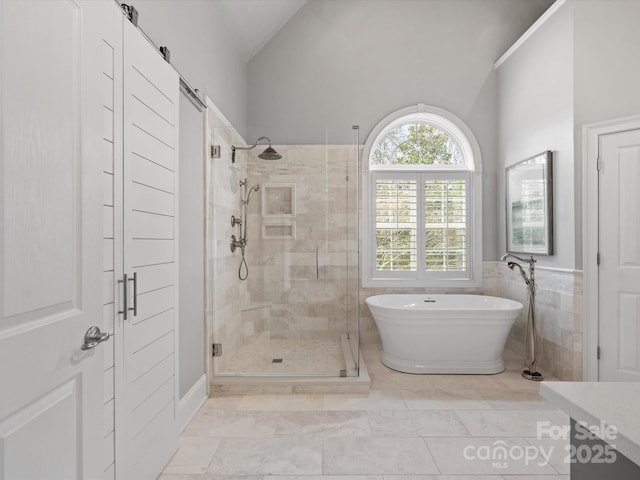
<point x="290" y="292"/>
<point x="307" y="285"/>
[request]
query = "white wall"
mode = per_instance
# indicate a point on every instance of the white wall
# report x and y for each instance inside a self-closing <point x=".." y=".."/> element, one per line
<point x="588" y="54"/>
<point x="536" y="114"/>
<point x="354" y="62"/>
<point x="607" y="60"/>
<point x="607" y="73"/>
<point x="202" y="49"/>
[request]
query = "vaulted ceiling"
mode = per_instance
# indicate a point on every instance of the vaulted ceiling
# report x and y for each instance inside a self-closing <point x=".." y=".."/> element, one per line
<point x="254" y="22"/>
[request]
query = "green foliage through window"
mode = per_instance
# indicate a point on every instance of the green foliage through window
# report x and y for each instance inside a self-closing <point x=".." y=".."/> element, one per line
<point x="416" y="144"/>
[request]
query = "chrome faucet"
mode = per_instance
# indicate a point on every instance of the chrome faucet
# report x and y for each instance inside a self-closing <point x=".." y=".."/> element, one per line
<point x="528" y="280"/>
<point x="530" y="344"/>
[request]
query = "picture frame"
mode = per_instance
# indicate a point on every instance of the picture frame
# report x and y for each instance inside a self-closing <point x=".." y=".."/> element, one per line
<point x="529" y="205"/>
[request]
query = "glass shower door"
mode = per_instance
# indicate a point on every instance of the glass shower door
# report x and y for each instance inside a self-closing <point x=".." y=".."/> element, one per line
<point x="296" y="313"/>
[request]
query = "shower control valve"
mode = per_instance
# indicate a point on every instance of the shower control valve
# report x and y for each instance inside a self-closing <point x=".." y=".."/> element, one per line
<point x="235" y="221"/>
<point x="237" y="243"/>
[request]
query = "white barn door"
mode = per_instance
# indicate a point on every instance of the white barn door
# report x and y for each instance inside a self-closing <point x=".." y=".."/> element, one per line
<point x="151" y="94"/>
<point x="51" y="423"/>
<point x="619" y="270"/>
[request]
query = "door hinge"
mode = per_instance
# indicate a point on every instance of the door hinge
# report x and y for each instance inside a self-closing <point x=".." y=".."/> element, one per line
<point x="598" y="258"/>
<point x="598" y="352"/>
<point x="216" y="350"/>
<point x="598" y="164"/>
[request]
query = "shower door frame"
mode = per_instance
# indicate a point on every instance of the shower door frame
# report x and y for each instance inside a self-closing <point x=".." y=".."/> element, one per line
<point x="351" y="326"/>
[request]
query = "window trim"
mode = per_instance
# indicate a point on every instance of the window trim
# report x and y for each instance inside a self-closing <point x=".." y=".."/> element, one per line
<point x="470" y="151"/>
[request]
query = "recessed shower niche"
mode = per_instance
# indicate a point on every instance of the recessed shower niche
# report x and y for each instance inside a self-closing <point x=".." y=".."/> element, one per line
<point x="279" y="200"/>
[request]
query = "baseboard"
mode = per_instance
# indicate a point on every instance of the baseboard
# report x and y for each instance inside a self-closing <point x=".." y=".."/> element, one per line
<point x="191" y="402"/>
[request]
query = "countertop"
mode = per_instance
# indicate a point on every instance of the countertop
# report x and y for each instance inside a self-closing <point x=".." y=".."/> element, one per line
<point x="616" y="404"/>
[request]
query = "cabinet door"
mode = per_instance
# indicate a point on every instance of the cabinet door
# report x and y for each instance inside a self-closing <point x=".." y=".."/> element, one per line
<point x="151" y="93"/>
<point x="50" y="240"/>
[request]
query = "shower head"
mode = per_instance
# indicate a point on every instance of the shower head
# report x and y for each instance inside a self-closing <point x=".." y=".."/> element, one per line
<point x="268" y="154"/>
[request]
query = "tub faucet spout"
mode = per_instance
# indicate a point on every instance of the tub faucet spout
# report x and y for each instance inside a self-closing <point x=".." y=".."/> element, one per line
<point x="507" y="255"/>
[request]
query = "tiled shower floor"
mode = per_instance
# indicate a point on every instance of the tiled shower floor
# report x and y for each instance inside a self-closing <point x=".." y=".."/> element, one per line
<point x="299" y="357"/>
<point x="408" y="427"/>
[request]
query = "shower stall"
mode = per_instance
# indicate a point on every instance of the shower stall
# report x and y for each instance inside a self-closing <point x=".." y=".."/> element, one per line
<point x="292" y="310"/>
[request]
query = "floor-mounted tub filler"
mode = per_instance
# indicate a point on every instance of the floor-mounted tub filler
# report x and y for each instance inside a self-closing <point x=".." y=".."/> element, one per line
<point x="452" y="334"/>
<point x="531" y="337"/>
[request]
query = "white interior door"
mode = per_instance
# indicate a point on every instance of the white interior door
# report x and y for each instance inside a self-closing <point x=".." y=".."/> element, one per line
<point x="151" y="94"/>
<point x="619" y="270"/>
<point x="51" y="241"/>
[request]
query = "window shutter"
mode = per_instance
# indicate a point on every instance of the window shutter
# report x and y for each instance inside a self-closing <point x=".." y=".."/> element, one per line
<point x="445" y="225"/>
<point x="396" y="225"/>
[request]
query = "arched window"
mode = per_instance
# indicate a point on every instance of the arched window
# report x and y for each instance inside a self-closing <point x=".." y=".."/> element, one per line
<point x="422" y="201"/>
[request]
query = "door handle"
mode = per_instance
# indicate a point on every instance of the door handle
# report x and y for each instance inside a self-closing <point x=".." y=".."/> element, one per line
<point x="135" y="294"/>
<point x="125" y="284"/>
<point x="93" y="337"/>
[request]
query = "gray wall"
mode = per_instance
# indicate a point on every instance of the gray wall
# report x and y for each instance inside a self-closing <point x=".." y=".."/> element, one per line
<point x="607" y="74"/>
<point x="191" y="263"/>
<point x="201" y="49"/>
<point x="353" y="62"/>
<point x="581" y="67"/>
<point x="536" y="114"/>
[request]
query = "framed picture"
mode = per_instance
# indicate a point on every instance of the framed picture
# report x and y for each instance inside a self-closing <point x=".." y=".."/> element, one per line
<point x="529" y="197"/>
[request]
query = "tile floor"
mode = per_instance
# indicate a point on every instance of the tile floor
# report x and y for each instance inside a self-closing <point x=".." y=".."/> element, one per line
<point x="323" y="356"/>
<point x="409" y="427"/>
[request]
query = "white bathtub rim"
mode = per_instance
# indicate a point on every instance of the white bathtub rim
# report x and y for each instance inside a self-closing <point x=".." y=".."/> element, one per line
<point x="458" y="320"/>
<point x="505" y="304"/>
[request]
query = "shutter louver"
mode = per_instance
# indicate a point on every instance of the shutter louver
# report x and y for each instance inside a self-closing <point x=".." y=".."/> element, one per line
<point x="445" y="225"/>
<point x="396" y="221"/>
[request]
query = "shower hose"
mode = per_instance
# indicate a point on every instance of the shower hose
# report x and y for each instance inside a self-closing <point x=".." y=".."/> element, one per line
<point x="243" y="267"/>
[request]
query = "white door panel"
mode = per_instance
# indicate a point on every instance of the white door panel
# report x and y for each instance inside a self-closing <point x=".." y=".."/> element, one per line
<point x="151" y="380"/>
<point x="619" y="271"/>
<point x="145" y="146"/>
<point x="151" y="93"/>
<point x="148" y="94"/>
<point x="148" y="120"/>
<point x="150" y="200"/>
<point x="51" y="242"/>
<point x="151" y="174"/>
<point x="155" y="277"/>
<point x="143" y="333"/>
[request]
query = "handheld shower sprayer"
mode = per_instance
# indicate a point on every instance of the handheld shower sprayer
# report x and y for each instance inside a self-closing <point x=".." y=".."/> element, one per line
<point x="511" y="265"/>
<point x="241" y="240"/>
<point x="255" y="188"/>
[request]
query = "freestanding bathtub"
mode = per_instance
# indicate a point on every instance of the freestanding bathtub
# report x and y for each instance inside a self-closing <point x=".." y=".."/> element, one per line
<point x="443" y="333"/>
